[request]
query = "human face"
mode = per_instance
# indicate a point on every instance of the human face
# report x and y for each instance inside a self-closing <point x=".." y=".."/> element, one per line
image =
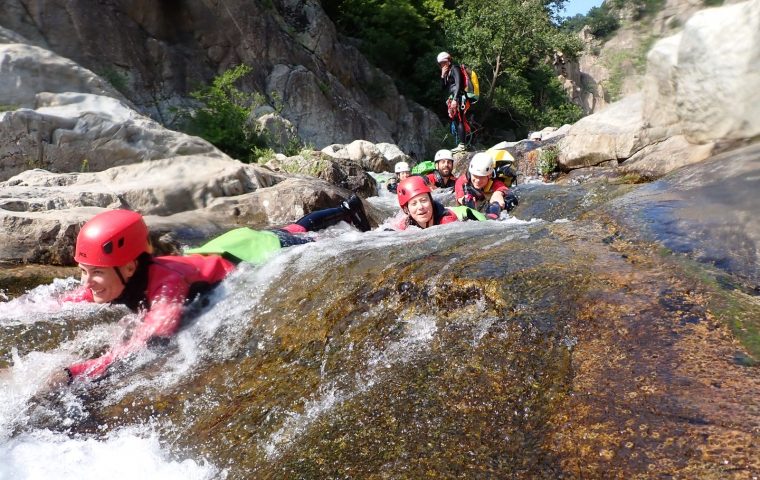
<point x="420" y="208"/>
<point x="403" y="175"/>
<point x="103" y="282"/>
<point x="445" y="166"/>
<point x="480" y="181"/>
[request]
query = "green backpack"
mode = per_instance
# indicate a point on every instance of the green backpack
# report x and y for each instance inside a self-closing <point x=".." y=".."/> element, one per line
<point x="423" y="168"/>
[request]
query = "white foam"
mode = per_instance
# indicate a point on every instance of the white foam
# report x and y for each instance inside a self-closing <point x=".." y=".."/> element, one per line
<point x="124" y="454"/>
<point x="41" y="303"/>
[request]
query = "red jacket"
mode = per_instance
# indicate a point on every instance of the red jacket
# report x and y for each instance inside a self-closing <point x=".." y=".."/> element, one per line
<point x="437" y="179"/>
<point x="485" y="195"/>
<point x="441" y="216"/>
<point x="170" y="281"/>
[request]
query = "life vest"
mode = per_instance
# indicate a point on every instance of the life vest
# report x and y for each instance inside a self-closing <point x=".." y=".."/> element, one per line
<point x="435" y="178"/>
<point x="471" y="83"/>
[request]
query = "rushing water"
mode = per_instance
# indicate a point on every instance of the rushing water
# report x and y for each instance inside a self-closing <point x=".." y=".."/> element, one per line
<point x="552" y="346"/>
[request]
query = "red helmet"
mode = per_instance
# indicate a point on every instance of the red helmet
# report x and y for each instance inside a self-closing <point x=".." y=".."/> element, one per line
<point x="411" y="187"/>
<point x="112" y="239"/>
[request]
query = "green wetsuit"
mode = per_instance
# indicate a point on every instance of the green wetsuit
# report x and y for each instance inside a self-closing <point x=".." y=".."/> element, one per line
<point x="243" y="244"/>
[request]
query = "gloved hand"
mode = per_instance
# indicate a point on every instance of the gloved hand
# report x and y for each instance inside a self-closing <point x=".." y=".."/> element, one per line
<point x="470" y="190"/>
<point x="469" y="201"/>
<point x="494" y="209"/>
<point x="510" y="201"/>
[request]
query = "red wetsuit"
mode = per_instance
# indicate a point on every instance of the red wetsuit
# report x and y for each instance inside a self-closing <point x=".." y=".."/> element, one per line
<point x="484" y="198"/>
<point x="441" y="215"/>
<point x="435" y="178"/>
<point x="170" y="282"/>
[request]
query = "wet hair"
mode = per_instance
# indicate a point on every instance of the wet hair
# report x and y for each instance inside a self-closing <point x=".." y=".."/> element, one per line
<point x="133" y="296"/>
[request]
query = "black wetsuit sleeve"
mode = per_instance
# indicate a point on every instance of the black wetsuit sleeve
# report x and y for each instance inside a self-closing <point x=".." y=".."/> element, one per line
<point x="457" y="82"/>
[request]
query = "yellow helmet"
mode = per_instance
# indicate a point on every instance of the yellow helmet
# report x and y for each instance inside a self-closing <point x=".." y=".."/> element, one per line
<point x="500" y="155"/>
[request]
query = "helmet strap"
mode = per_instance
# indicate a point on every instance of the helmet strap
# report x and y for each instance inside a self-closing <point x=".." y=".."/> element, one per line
<point x="121" y="277"/>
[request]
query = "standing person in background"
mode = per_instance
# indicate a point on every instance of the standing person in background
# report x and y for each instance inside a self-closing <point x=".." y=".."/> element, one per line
<point x="402" y="171"/>
<point x="443" y="175"/>
<point x="457" y="103"/>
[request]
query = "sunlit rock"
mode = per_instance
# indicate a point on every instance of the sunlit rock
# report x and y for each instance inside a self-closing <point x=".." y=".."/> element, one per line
<point x="26" y="70"/>
<point x="610" y="135"/>
<point x="718" y="79"/>
<point x="659" y="158"/>
<point x="79" y="132"/>
<point x="370" y="156"/>
<point x="344" y="173"/>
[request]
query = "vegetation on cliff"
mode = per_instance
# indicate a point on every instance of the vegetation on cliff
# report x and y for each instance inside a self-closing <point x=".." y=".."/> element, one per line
<point x="508" y="43"/>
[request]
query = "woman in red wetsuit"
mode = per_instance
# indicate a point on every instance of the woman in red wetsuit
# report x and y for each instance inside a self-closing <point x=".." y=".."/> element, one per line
<point x="113" y="252"/>
<point x="114" y="256"/>
<point x="418" y="207"/>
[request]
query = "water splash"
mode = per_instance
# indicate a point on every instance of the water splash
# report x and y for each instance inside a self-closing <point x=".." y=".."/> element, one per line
<point x="41" y="304"/>
<point x="419" y="331"/>
<point x="124" y="454"/>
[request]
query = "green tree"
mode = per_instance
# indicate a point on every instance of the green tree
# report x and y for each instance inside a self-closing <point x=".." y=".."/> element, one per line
<point x="222" y="116"/>
<point x="509" y="43"/>
<point x="600" y="19"/>
<point x="401" y="37"/>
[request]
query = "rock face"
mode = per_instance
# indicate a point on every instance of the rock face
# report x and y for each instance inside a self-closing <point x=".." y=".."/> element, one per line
<point x="610" y="135"/>
<point x="193" y="197"/>
<point x="700" y="89"/>
<point x="156" y="52"/>
<point x="609" y="69"/>
<point x="26" y="70"/>
<point x="73" y="132"/>
<point x="183" y="184"/>
<point x="716" y="79"/>
<point x="583" y="79"/>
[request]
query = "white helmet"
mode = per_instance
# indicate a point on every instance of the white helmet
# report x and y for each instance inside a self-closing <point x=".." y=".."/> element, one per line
<point x="401" y="167"/>
<point x="481" y="165"/>
<point x="444" y="57"/>
<point x="535" y="136"/>
<point x="443" y="155"/>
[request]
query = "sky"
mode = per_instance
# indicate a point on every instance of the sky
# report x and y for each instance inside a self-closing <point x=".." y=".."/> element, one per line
<point x="574" y="7"/>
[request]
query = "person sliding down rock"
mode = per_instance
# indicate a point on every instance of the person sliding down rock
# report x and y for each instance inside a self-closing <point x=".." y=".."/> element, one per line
<point x="402" y="171"/>
<point x="443" y="175"/>
<point x="418" y="208"/>
<point x="478" y="189"/>
<point x="117" y="266"/>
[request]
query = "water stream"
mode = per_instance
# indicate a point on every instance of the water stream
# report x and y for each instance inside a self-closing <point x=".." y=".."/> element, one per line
<point x="555" y="345"/>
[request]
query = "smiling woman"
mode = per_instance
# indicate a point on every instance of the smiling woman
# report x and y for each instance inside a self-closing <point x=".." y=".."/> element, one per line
<point x="116" y="266"/>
